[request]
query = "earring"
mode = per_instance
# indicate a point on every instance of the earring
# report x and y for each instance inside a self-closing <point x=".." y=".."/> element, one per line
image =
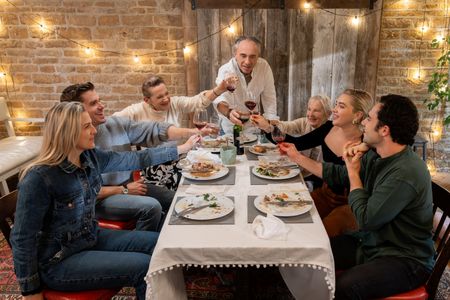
<point x="354" y="122"/>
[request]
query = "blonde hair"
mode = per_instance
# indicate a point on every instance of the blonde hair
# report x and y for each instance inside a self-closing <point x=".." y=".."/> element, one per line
<point x="61" y="133"/>
<point x="362" y="101"/>
<point x="325" y="102"/>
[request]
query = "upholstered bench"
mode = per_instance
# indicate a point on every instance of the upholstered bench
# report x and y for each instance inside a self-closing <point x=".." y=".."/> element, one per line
<point x="15" y="151"/>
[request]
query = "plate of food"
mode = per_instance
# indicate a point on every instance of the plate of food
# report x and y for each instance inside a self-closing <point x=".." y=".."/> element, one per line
<point x="275" y="171"/>
<point x="214" y="145"/>
<point x="247" y="138"/>
<point x="264" y="149"/>
<point x="204" y="207"/>
<point x="205" y="171"/>
<point x="284" y="204"/>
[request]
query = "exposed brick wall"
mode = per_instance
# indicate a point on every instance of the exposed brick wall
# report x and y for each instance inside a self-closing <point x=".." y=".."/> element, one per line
<point x="43" y="64"/>
<point x="400" y="39"/>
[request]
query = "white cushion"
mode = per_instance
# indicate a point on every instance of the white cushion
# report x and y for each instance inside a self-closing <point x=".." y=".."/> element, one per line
<point x="18" y="150"/>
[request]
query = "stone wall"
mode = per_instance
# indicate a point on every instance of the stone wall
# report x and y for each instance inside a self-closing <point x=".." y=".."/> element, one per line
<point x="402" y="45"/>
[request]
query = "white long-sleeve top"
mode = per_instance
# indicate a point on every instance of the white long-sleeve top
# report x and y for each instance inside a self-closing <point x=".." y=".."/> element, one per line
<point x="261" y="85"/>
<point x="177" y="114"/>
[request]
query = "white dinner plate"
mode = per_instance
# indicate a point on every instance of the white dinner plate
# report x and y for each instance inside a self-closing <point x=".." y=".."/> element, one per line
<point x="271" y="149"/>
<point x="292" y="173"/>
<point x="215" y="174"/>
<point x="248" y="138"/>
<point x="281" y="211"/>
<point x="214" y="145"/>
<point x="224" y="206"/>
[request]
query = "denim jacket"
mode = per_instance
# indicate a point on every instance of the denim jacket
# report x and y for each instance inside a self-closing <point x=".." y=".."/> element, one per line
<point x="55" y="215"/>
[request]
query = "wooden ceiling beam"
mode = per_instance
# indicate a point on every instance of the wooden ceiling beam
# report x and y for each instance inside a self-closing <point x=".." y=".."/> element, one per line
<point x="281" y="4"/>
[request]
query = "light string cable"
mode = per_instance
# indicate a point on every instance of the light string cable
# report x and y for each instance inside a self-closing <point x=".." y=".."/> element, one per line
<point x="143" y="54"/>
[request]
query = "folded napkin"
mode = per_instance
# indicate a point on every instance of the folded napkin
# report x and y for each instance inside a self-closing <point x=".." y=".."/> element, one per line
<point x="288" y="187"/>
<point x="201" y="155"/>
<point x="201" y="189"/>
<point x="270" y="228"/>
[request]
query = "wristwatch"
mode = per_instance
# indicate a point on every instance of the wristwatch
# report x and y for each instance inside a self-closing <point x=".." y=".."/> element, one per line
<point x="124" y="189"/>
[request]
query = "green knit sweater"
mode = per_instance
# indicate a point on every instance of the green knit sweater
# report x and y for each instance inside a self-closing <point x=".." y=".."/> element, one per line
<point x="394" y="209"/>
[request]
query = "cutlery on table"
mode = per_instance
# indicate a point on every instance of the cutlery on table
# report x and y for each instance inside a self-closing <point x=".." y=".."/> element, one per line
<point x="191" y="210"/>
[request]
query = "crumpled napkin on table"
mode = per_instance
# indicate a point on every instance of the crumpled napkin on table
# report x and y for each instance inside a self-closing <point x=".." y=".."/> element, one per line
<point x="270" y="228"/>
<point x="195" y="156"/>
<point x="199" y="189"/>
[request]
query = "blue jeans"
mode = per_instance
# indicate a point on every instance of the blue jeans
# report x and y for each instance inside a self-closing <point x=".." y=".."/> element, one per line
<point x="120" y="258"/>
<point x="378" y="278"/>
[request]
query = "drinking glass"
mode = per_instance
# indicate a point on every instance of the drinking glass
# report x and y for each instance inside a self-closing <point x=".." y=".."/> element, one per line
<point x="200" y="120"/>
<point x="214" y="123"/>
<point x="278" y="135"/>
<point x="232" y="80"/>
<point x="251" y="104"/>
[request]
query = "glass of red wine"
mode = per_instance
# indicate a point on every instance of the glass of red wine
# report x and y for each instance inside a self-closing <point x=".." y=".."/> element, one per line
<point x="232" y="80"/>
<point x="200" y="119"/>
<point x="244" y="116"/>
<point x="251" y="103"/>
<point x="278" y="135"/>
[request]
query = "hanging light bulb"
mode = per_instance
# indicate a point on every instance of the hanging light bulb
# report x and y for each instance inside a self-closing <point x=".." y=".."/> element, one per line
<point x="307" y="5"/>
<point x="231" y="29"/>
<point x="88" y="50"/>
<point x="136" y="59"/>
<point x="416" y="74"/>
<point x="43" y="27"/>
<point x="2" y="75"/>
<point x="186" y="50"/>
<point x="355" y="21"/>
<point x="424" y="28"/>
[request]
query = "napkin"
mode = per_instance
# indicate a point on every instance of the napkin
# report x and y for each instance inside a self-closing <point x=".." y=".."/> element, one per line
<point x="201" y="155"/>
<point x="270" y="228"/>
<point x="198" y="189"/>
<point x="288" y="187"/>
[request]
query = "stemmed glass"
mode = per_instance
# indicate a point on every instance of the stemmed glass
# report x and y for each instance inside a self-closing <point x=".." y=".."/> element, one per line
<point x="278" y="135"/>
<point x="200" y="119"/>
<point x="214" y="124"/>
<point x="232" y="80"/>
<point x="251" y="103"/>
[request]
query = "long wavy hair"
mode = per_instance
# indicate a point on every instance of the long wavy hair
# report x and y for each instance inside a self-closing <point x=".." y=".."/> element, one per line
<point x="62" y="130"/>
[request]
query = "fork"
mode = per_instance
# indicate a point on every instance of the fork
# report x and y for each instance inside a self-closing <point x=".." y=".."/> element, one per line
<point x="190" y="210"/>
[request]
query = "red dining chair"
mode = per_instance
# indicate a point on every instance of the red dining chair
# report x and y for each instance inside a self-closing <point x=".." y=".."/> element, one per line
<point x="7" y="210"/>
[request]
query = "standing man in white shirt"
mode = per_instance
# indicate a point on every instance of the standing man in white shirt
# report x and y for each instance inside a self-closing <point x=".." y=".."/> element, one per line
<point x="255" y="76"/>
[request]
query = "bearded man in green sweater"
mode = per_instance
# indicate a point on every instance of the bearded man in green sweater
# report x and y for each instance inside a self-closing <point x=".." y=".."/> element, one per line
<point x="391" y="199"/>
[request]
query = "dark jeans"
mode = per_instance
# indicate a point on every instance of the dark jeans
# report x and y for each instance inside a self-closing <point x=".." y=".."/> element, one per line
<point x="379" y="278"/>
<point x="120" y="258"/>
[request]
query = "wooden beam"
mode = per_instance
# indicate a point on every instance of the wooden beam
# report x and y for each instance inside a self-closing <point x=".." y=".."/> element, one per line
<point x="281" y="4"/>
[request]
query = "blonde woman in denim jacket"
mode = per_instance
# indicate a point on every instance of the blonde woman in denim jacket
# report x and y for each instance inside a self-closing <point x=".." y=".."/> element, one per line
<point x="56" y="241"/>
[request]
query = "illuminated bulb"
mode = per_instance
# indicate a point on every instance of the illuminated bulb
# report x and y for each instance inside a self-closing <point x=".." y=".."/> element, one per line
<point x="231" y="29"/>
<point x="136" y="59"/>
<point x="88" y="50"/>
<point x="416" y="75"/>
<point x="2" y="75"/>
<point x="307" y="5"/>
<point x="42" y="27"/>
<point x="186" y="50"/>
<point x="355" y="21"/>
<point x="424" y="28"/>
<point x="436" y="133"/>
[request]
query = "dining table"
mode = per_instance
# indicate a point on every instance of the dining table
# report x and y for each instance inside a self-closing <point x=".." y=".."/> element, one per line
<point x="303" y="255"/>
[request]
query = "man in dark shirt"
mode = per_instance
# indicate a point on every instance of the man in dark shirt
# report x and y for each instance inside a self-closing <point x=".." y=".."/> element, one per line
<point x="390" y="196"/>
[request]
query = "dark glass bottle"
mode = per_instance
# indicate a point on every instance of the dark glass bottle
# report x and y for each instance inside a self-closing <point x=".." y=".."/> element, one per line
<point x="237" y="129"/>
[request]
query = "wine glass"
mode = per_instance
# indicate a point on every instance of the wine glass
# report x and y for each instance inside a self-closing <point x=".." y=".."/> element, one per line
<point x="251" y="103"/>
<point x="232" y="80"/>
<point x="278" y="135"/>
<point x="214" y="124"/>
<point x="200" y="119"/>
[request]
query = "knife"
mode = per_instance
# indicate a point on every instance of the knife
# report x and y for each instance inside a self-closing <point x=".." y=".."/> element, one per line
<point x="191" y="210"/>
<point x="289" y="202"/>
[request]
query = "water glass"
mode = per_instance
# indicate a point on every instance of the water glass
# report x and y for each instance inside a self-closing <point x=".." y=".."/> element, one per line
<point x="228" y="154"/>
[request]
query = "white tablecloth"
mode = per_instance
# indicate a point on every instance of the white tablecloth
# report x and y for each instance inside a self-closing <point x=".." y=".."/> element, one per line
<point x="305" y="258"/>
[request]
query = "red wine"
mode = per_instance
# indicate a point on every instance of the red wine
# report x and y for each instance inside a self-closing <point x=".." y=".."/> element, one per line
<point x="244" y="118"/>
<point x="231" y="88"/>
<point x="250" y="104"/>
<point x="199" y="125"/>
<point x="278" y="139"/>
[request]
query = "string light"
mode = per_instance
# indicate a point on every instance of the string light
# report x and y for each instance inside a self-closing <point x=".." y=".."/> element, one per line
<point x="88" y="50"/>
<point x="2" y="75"/>
<point x="136" y="59"/>
<point x="424" y="28"/>
<point x="307" y="5"/>
<point x="355" y="21"/>
<point x="186" y="50"/>
<point x="231" y="29"/>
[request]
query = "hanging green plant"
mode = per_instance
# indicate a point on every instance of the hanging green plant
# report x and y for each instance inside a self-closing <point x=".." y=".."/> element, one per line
<point x="438" y="86"/>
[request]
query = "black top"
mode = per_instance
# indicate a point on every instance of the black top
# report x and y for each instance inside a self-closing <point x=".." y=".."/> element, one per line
<point x="313" y="139"/>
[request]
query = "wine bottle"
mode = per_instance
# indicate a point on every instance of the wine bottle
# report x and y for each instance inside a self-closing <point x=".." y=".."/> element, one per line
<point x="237" y="129"/>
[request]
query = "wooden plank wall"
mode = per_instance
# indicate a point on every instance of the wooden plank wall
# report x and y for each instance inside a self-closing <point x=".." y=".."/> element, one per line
<point x="310" y="52"/>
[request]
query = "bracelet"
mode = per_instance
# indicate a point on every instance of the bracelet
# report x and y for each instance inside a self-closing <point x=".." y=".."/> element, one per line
<point x="214" y="92"/>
